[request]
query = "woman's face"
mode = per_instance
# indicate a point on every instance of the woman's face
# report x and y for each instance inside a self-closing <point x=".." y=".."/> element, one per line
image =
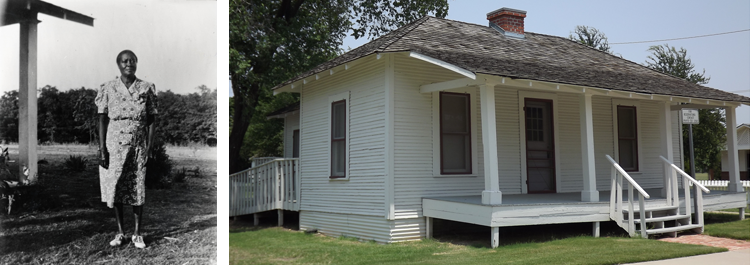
<point x="127" y="64"/>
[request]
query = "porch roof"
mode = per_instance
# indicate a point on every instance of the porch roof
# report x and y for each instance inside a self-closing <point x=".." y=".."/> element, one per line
<point x="482" y="50"/>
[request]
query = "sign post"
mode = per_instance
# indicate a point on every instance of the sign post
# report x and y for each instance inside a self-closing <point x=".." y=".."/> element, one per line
<point x="690" y="117"/>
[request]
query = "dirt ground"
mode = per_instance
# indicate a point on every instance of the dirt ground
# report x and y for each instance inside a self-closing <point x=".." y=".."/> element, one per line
<point x="62" y="220"/>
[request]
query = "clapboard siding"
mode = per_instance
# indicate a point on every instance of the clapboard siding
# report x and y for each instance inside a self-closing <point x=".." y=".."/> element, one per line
<point x="569" y="132"/>
<point x="677" y="139"/>
<point x="651" y="167"/>
<point x="508" y="140"/>
<point x="363" y="192"/>
<point x="363" y="227"/>
<point x="291" y="123"/>
<point x="603" y="139"/>
<point x="413" y="141"/>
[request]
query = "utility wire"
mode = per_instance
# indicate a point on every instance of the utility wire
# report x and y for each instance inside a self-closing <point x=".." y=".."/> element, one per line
<point x="693" y="37"/>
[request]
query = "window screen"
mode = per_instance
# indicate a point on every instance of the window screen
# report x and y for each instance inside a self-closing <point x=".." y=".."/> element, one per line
<point x="338" y="139"/>
<point x="627" y="137"/>
<point x="455" y="134"/>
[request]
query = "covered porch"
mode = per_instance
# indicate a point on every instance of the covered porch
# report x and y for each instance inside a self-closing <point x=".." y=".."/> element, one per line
<point x="664" y="201"/>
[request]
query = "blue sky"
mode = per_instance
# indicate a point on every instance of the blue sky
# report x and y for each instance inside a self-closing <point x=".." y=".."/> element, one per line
<point x="726" y="58"/>
<point x="175" y="41"/>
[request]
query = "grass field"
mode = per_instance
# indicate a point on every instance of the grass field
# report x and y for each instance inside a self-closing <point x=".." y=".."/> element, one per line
<point x="63" y="221"/>
<point x="727" y="225"/>
<point x="454" y="243"/>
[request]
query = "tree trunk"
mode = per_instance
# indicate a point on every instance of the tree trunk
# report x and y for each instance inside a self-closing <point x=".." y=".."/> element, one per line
<point x="243" y="112"/>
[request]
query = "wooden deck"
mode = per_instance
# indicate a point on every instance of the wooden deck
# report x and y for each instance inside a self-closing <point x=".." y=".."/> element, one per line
<point x="552" y="208"/>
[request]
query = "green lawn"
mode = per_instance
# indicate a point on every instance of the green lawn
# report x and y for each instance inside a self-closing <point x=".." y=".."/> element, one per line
<point x="727" y="225"/>
<point x="701" y="176"/>
<point x="278" y="245"/>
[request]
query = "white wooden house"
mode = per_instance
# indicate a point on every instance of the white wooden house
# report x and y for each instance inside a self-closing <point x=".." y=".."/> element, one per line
<point x="489" y="125"/>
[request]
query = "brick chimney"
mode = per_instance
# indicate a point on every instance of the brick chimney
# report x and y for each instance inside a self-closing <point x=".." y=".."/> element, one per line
<point x="508" y="21"/>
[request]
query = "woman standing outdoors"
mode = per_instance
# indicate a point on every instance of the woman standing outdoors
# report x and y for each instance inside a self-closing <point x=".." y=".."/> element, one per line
<point x="127" y="109"/>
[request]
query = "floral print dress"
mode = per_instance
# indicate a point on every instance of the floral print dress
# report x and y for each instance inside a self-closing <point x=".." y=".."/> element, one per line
<point x="127" y="134"/>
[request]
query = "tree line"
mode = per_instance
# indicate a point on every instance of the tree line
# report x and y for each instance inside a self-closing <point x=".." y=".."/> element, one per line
<point x="71" y="116"/>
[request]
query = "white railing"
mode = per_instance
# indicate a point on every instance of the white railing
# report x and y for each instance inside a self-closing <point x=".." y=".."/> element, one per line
<point x="615" y="200"/>
<point x="268" y="186"/>
<point x="254" y="162"/>
<point x="673" y="196"/>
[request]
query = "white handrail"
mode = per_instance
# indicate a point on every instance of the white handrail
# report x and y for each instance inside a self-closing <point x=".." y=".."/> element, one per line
<point x="691" y="179"/>
<point x="625" y="174"/>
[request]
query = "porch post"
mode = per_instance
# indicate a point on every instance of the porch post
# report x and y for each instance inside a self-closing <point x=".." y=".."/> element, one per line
<point x="27" y="117"/>
<point x="667" y="148"/>
<point x="491" y="193"/>
<point x="589" y="192"/>
<point x="734" y="167"/>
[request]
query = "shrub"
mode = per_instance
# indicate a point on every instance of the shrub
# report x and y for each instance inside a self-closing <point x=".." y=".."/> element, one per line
<point x="180" y="176"/>
<point x="158" y="167"/>
<point x="75" y="163"/>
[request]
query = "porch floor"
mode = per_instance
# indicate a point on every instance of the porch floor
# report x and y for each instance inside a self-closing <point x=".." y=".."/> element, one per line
<point x="554" y="208"/>
<point x="560" y="198"/>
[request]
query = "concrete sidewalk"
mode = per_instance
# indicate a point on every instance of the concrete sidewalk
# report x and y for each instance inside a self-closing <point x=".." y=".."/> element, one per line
<point x="739" y="257"/>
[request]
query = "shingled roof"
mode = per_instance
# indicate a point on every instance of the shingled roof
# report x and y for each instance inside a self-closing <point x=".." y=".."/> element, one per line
<point x="483" y="50"/>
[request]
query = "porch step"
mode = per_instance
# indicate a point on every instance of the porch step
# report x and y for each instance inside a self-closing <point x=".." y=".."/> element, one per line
<point x="660" y="219"/>
<point x="653" y="209"/>
<point x="672" y="229"/>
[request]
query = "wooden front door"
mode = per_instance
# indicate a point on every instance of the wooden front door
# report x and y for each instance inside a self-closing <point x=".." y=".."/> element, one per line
<point x="540" y="146"/>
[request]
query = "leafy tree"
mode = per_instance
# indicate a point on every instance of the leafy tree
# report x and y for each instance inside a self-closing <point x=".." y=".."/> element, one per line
<point x="591" y="37"/>
<point x="273" y="40"/>
<point x="710" y="135"/>
<point x="9" y="116"/>
<point x="670" y="61"/>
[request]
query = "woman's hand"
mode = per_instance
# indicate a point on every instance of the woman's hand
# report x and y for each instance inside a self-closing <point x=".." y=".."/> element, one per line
<point x="104" y="158"/>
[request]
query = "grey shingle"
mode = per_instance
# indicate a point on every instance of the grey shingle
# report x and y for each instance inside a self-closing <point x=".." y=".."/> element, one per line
<point x="481" y="49"/>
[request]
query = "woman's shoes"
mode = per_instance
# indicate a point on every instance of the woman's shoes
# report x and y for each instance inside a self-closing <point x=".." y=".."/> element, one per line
<point x="119" y="238"/>
<point x="117" y="241"/>
<point x="138" y="241"/>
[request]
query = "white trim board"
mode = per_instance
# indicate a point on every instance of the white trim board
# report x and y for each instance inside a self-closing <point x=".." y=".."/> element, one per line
<point x="522" y="95"/>
<point x="473" y="99"/>
<point x="333" y="98"/>
<point x="638" y="117"/>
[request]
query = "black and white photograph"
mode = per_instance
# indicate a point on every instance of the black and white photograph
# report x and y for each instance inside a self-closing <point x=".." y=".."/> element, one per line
<point x="108" y="132"/>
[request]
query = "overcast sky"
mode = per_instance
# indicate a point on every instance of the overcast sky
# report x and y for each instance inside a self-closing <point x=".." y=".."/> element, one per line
<point x="175" y="42"/>
<point x="726" y="58"/>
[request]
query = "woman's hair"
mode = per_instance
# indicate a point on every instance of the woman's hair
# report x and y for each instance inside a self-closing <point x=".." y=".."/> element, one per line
<point x="117" y="60"/>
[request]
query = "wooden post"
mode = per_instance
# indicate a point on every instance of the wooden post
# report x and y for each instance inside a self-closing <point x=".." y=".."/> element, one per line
<point x="495" y="237"/>
<point x="491" y="193"/>
<point x="256" y="219"/>
<point x="642" y="207"/>
<point x="428" y="226"/>
<point x="742" y="213"/>
<point x="735" y="185"/>
<point x="595" y="226"/>
<point x="281" y="217"/>
<point x="27" y="115"/>
<point x="631" y="213"/>
<point x="589" y="192"/>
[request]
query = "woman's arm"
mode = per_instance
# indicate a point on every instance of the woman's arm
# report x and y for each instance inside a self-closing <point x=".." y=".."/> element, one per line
<point x="103" y="152"/>
<point x="151" y="134"/>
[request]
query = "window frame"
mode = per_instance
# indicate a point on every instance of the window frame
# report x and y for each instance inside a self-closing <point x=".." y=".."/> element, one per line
<point x="436" y="133"/>
<point x="332" y="100"/>
<point x="616" y="132"/>
<point x="469" y="133"/>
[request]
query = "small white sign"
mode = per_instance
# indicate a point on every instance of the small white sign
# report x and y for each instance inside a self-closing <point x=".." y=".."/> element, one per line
<point x="690" y="116"/>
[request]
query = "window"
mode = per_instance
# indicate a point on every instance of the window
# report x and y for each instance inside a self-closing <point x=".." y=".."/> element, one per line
<point x="627" y="137"/>
<point x="295" y="144"/>
<point x="338" y="139"/>
<point x="455" y="134"/>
